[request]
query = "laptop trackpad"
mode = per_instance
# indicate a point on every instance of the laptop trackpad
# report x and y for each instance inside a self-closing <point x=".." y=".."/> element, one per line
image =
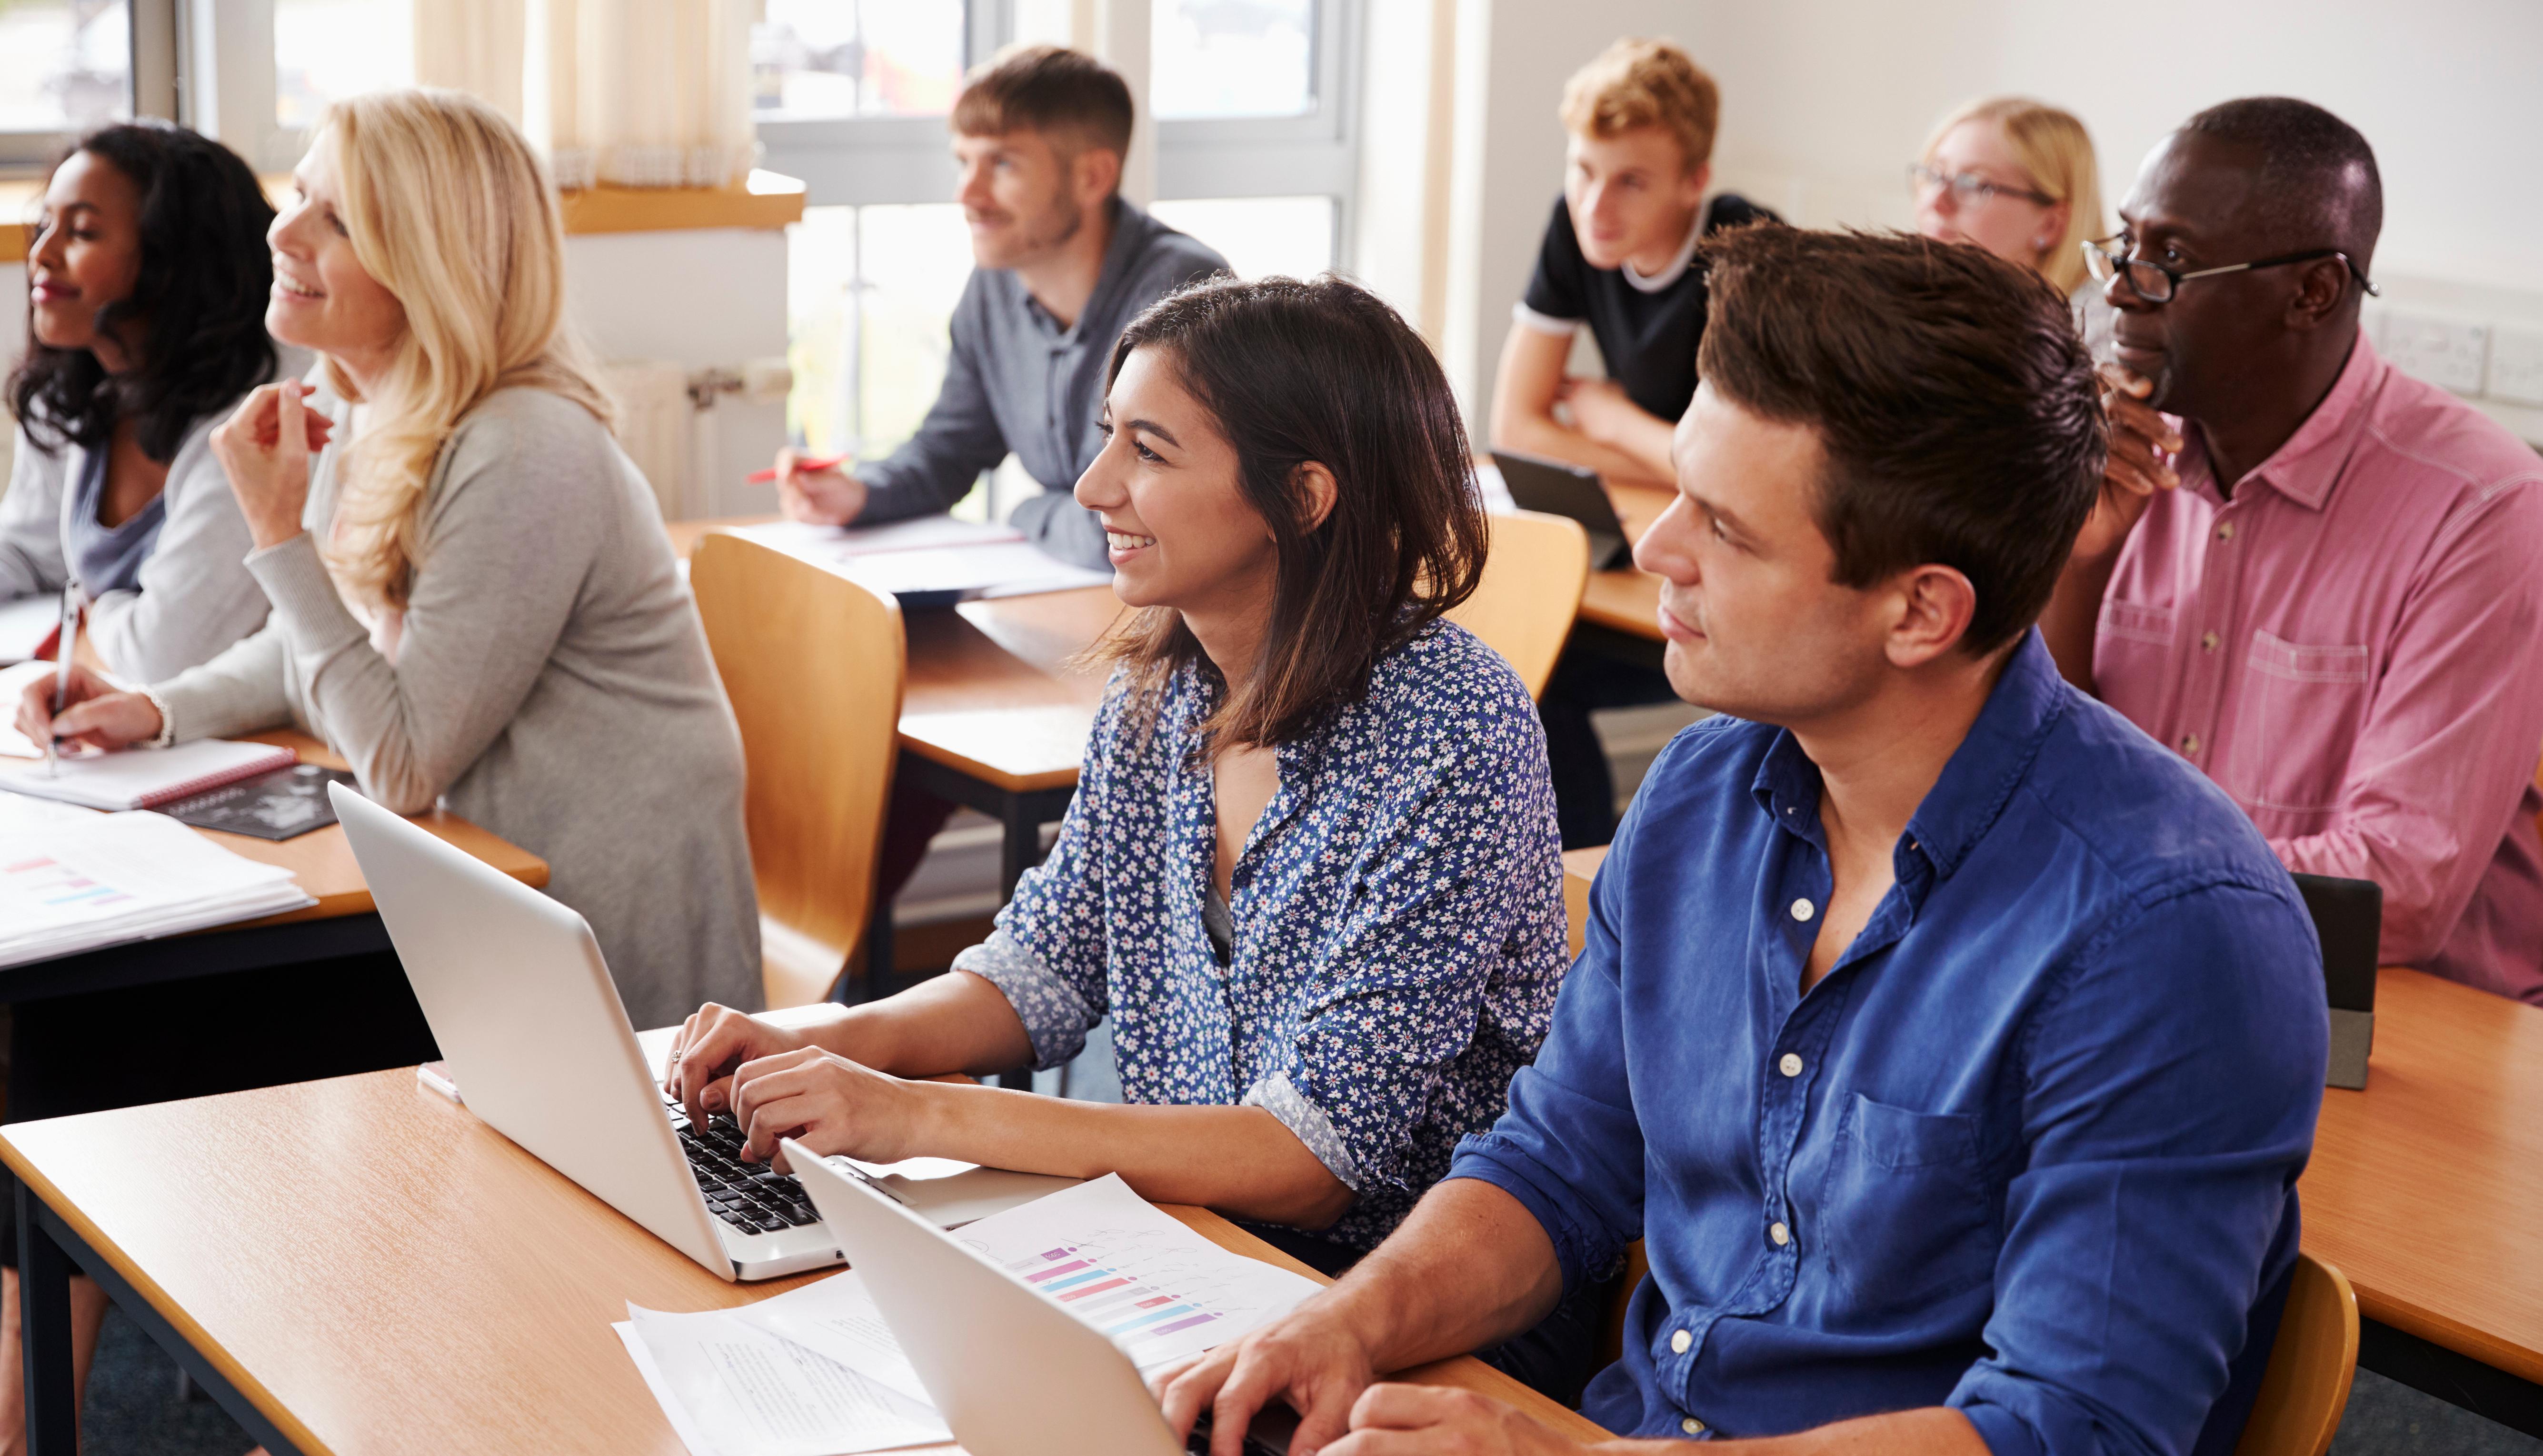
<point x="1269" y="1436"/>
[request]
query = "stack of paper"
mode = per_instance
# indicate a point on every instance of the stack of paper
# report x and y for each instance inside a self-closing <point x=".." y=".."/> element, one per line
<point x="72" y="882"/>
<point x="930" y="561"/>
<point x="815" y="1372"/>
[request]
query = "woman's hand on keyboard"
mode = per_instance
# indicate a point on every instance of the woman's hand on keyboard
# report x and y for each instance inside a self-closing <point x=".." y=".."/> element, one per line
<point x="713" y="1042"/>
<point x="825" y="1102"/>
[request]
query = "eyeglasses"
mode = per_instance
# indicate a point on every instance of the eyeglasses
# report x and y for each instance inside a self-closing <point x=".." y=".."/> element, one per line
<point x="2155" y="283"/>
<point x="1967" y="188"/>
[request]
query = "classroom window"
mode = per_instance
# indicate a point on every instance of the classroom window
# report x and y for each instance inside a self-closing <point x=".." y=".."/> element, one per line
<point x="825" y="59"/>
<point x="324" y="50"/>
<point x="65" y="67"/>
<point x="1260" y="235"/>
<point x="1223" y="58"/>
<point x="869" y="294"/>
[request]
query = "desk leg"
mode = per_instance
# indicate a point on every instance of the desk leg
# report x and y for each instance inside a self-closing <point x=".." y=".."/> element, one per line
<point x="47" y="1248"/>
<point x="44" y="1334"/>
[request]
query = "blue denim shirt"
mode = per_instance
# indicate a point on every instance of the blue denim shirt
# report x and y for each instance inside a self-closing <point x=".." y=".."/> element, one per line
<point x="2029" y="1150"/>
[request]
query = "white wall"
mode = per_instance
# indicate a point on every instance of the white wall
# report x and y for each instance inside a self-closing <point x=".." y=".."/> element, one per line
<point x="1824" y="102"/>
<point x="702" y="299"/>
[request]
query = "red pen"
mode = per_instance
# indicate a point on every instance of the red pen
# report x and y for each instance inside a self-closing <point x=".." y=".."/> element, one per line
<point x="769" y="476"/>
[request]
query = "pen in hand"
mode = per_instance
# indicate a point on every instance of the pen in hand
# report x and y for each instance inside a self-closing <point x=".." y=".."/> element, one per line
<point x="64" y="645"/>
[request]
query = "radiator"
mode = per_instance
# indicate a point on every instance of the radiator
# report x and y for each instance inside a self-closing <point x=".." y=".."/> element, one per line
<point x="656" y="428"/>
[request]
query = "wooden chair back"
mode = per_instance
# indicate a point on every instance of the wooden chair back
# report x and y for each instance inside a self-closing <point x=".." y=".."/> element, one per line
<point x="1612" y="1341"/>
<point x="2306" y="1387"/>
<point x="814" y="665"/>
<point x="1533" y="576"/>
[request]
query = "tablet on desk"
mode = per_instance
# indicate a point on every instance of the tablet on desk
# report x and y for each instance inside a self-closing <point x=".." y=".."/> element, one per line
<point x="1559" y="488"/>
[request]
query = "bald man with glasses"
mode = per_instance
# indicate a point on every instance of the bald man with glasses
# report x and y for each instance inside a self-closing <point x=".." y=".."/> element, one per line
<point x="2316" y="578"/>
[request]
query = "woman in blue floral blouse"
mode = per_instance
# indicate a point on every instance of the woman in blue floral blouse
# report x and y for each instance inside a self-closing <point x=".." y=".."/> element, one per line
<point x="1311" y="870"/>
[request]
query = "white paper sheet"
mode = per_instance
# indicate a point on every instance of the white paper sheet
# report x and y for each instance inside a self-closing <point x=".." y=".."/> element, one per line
<point x="1161" y="1291"/>
<point x="100" y="879"/>
<point x="933" y="555"/>
<point x="748" y="1393"/>
<point x="836" y="1317"/>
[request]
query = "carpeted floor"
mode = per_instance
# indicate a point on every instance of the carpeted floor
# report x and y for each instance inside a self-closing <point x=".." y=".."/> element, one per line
<point x="134" y="1410"/>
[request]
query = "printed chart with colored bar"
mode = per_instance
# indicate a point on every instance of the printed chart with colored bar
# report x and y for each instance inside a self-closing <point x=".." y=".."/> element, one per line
<point x="42" y="882"/>
<point x="1159" y="1290"/>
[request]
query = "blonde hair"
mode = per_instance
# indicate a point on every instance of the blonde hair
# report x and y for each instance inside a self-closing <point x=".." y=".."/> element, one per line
<point x="2056" y="149"/>
<point x="449" y="210"/>
<point x="1645" y="83"/>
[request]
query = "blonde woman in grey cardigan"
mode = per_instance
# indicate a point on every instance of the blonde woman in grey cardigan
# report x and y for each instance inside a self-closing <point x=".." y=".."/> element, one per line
<point x="148" y="277"/>
<point x="473" y="597"/>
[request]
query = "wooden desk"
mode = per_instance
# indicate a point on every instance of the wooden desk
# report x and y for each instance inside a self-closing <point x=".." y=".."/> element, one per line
<point x="2424" y="1188"/>
<point x="348" y="1264"/>
<point x="341" y="923"/>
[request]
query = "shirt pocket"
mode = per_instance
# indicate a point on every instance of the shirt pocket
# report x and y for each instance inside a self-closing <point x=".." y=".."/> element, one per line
<point x="2300" y="713"/>
<point x="1908" y="1218"/>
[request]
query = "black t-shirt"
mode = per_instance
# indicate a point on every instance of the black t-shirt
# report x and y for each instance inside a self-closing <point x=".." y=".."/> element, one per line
<point x="1648" y="338"/>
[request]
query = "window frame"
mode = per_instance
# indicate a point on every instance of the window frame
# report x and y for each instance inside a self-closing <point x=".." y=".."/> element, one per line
<point x="882" y="160"/>
<point x="151" y="62"/>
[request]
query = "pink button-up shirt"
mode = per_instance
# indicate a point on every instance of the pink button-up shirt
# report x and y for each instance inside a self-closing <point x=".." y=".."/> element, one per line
<point x="2353" y="648"/>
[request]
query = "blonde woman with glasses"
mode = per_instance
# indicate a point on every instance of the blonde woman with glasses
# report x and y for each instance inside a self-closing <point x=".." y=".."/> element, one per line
<point x="2017" y="178"/>
<point x="473" y="599"/>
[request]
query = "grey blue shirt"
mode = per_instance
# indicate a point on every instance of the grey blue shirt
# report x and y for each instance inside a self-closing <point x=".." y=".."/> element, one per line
<point x="1394" y="932"/>
<point x="1016" y="381"/>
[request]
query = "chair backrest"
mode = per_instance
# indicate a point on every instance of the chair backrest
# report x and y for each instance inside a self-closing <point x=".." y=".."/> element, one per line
<point x="1533" y="576"/>
<point x="814" y="665"/>
<point x="2306" y="1386"/>
<point x="1611" y="1341"/>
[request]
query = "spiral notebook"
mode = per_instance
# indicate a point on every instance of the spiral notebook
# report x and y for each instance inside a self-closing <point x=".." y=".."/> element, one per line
<point x="143" y="778"/>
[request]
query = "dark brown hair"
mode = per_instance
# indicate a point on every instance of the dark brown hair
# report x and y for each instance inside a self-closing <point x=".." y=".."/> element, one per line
<point x="1049" y="89"/>
<point x="1318" y="371"/>
<point x="1949" y="388"/>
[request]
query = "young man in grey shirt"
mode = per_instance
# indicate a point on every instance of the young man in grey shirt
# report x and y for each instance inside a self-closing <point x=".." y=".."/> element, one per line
<point x="1063" y="264"/>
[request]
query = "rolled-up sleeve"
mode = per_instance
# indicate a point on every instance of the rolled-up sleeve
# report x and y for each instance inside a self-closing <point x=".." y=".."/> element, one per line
<point x="1438" y="912"/>
<point x="1569" y="1149"/>
<point x="2151" y="1211"/>
<point x="1049" y="954"/>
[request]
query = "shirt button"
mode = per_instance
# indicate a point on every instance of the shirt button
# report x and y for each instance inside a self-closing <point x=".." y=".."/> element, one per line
<point x="1789" y="1067"/>
<point x="2189" y="743"/>
<point x="1691" y="1426"/>
<point x="2225" y="530"/>
<point x="1681" y="1343"/>
<point x="1804" y="909"/>
<point x="2208" y="643"/>
<point x="1780" y="1234"/>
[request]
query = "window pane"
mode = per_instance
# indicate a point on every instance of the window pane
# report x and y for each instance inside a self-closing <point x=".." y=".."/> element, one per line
<point x="65" y="66"/>
<point x="1231" y="58"/>
<point x="870" y="292"/>
<point x="813" y="59"/>
<point x="1260" y="235"/>
<point x="327" y="49"/>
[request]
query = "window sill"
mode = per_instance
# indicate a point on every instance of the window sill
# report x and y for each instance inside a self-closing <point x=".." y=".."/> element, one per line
<point x="767" y="200"/>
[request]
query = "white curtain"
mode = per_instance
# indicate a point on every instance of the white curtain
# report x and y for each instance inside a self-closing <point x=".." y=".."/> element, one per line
<point x="627" y="93"/>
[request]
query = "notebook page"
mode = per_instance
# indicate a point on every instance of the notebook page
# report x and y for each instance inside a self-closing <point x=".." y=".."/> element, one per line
<point x="133" y="777"/>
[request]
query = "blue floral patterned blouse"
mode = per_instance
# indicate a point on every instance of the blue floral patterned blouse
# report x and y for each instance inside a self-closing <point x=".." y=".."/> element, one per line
<point x="1398" y="910"/>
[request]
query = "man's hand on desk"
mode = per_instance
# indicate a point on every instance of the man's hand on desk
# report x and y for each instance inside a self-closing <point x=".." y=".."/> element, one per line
<point x="829" y="496"/>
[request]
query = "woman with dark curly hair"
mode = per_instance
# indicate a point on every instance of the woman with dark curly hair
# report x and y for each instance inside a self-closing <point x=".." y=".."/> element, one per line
<point x="146" y="291"/>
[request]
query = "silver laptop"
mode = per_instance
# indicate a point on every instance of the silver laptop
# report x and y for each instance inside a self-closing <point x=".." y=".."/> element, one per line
<point x="1009" y="1369"/>
<point x="530" y="1023"/>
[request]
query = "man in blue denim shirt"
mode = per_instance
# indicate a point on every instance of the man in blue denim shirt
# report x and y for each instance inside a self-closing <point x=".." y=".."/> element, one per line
<point x="1953" y="1047"/>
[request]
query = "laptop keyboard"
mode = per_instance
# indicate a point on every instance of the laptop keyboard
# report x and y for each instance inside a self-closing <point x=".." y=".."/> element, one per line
<point x="747" y="1195"/>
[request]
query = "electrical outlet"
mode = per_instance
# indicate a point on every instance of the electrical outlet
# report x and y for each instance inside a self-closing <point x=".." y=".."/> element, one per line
<point x="2445" y="352"/>
<point x="2516" y="365"/>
